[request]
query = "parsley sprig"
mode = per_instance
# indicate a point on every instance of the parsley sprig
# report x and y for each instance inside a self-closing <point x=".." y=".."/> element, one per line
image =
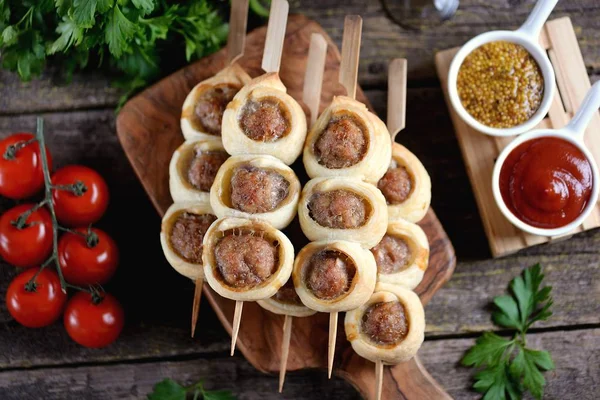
<point x="168" y="389"/>
<point x="509" y="367"/>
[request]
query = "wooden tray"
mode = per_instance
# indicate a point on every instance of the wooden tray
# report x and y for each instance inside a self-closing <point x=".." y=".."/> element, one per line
<point x="480" y="151"/>
<point x="148" y="128"/>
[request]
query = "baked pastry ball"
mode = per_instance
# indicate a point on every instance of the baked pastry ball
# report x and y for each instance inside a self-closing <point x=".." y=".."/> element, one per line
<point x="402" y="256"/>
<point x="263" y="119"/>
<point x="343" y="208"/>
<point x="347" y="140"/>
<point x="389" y="327"/>
<point x="193" y="168"/>
<point x="203" y="108"/>
<point x="256" y="186"/>
<point x="246" y="260"/>
<point x="333" y="276"/>
<point x="406" y="186"/>
<point x="182" y="232"/>
<point x="286" y="302"/>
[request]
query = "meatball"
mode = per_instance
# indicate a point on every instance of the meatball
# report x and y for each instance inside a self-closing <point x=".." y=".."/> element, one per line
<point x="329" y="274"/>
<point x="385" y="323"/>
<point x="210" y="106"/>
<point x="264" y="120"/>
<point x="338" y="209"/>
<point x="392" y="254"/>
<point x="287" y="294"/>
<point x="204" y="167"/>
<point x="343" y="143"/>
<point x="187" y="234"/>
<point x="396" y="185"/>
<point x="255" y="190"/>
<point x="245" y="260"/>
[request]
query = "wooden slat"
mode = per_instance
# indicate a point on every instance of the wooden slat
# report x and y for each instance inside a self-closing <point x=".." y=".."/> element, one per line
<point x="559" y="37"/>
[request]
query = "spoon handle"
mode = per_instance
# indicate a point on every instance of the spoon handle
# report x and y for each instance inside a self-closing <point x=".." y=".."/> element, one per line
<point x="590" y="105"/>
<point x="536" y="20"/>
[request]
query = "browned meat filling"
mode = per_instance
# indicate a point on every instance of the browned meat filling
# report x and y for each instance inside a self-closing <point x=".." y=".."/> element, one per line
<point x="396" y="185"/>
<point x="264" y="120"/>
<point x="210" y="106"/>
<point x="385" y="323"/>
<point x="246" y="260"/>
<point x="204" y="167"/>
<point x="256" y="190"/>
<point x="343" y="143"/>
<point x="287" y="294"/>
<point x="187" y="234"/>
<point x="329" y="274"/>
<point x="392" y="254"/>
<point x="338" y="209"/>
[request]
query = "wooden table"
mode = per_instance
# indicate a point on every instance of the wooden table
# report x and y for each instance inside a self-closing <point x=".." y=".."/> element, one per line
<point x="80" y="125"/>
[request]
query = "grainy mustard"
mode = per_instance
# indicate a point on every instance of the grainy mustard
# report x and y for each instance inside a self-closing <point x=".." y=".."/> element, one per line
<point x="500" y="84"/>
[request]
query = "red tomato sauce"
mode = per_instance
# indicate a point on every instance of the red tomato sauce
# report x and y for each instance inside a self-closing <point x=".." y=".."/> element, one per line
<point x="546" y="182"/>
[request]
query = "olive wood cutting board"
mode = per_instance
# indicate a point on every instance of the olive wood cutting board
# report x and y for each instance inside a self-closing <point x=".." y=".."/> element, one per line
<point x="480" y="151"/>
<point x="148" y="128"/>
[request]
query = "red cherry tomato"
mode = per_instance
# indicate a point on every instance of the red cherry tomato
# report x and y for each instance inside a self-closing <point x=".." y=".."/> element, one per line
<point x="21" y="175"/>
<point x="93" y="325"/>
<point x="30" y="245"/>
<point x="86" y="263"/>
<point x="39" y="306"/>
<point x="79" y="210"/>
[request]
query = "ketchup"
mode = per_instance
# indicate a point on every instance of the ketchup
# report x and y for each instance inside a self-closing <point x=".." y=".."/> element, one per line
<point x="546" y="182"/>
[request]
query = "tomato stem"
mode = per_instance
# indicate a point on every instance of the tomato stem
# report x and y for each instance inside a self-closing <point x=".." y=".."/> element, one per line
<point x="21" y="221"/>
<point x="78" y="188"/>
<point x="13" y="149"/>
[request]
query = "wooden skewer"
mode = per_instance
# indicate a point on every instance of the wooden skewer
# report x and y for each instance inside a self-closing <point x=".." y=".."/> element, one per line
<point x="275" y="35"/>
<point x="333" y="323"/>
<point x="285" y="349"/>
<point x="196" y="304"/>
<point x="378" y="379"/>
<point x="236" y="39"/>
<point x="235" y="328"/>
<point x="396" y="114"/>
<point x="313" y="77"/>
<point x="350" y="53"/>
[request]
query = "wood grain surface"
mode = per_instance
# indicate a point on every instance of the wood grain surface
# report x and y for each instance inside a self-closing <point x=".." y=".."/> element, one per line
<point x="155" y="343"/>
<point x="148" y="127"/>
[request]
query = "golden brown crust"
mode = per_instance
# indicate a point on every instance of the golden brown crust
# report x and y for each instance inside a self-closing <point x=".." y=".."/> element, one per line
<point x="376" y="159"/>
<point x="266" y="87"/>
<point x="404" y="350"/>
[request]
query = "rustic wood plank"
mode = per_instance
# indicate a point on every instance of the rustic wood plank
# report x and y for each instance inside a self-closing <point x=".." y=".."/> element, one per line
<point x="575" y="353"/>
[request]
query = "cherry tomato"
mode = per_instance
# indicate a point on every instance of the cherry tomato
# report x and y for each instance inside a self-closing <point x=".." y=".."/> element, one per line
<point x="40" y="305"/>
<point x="21" y="175"/>
<point x="84" y="209"/>
<point x="30" y="245"/>
<point x="93" y="325"/>
<point x="86" y="263"/>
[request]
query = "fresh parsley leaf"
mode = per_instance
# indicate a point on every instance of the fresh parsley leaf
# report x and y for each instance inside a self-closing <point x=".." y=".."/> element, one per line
<point x="70" y="33"/>
<point x="146" y="6"/>
<point x="83" y="11"/>
<point x="217" y="395"/>
<point x="119" y="31"/>
<point x="168" y="389"/>
<point x="9" y="36"/>
<point x="104" y="5"/>
<point x="509" y="367"/>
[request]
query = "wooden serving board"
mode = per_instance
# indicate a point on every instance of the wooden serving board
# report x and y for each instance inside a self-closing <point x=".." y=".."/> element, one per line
<point x="148" y="128"/>
<point x="480" y="151"/>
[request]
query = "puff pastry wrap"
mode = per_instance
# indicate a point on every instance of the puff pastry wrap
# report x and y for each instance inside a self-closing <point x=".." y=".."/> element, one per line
<point x="361" y="287"/>
<point x="415" y="207"/>
<point x="367" y="235"/>
<point x="266" y="87"/>
<point x="233" y="76"/>
<point x="410" y="275"/>
<point x="376" y="159"/>
<point x="184" y="267"/>
<point x="405" y="349"/>
<point x="220" y="192"/>
<point x="236" y="226"/>
<point x="179" y="185"/>
<point x="292" y="309"/>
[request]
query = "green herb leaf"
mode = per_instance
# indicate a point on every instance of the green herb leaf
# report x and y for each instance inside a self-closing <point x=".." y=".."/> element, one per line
<point x="104" y="5"/>
<point x="70" y="33"/>
<point x="488" y="350"/>
<point x="146" y="6"/>
<point x="83" y="11"/>
<point x="217" y="395"/>
<point x="119" y="31"/>
<point x="168" y="389"/>
<point x="508" y="314"/>
<point x="9" y="36"/>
